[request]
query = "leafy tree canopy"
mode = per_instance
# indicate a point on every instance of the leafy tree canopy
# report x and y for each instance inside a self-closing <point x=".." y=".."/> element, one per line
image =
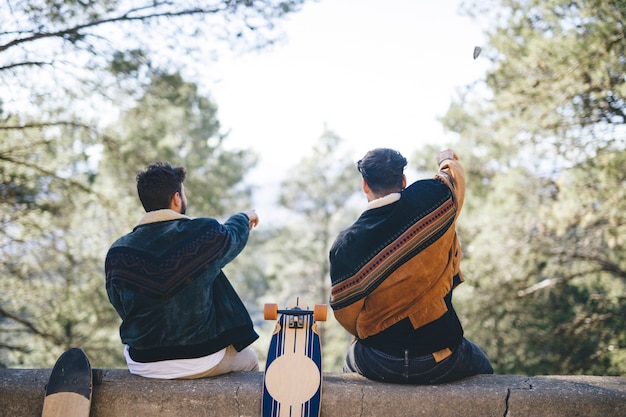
<point x="544" y="215"/>
<point x="91" y="92"/>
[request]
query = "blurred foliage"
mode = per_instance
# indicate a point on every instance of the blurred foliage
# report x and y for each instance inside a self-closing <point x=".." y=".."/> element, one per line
<point x="542" y="142"/>
<point x="53" y="253"/>
<point x="91" y="93"/>
<point x="544" y="223"/>
<point x="317" y="195"/>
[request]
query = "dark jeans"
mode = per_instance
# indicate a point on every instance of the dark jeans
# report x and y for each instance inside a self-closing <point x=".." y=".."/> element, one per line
<point x="466" y="360"/>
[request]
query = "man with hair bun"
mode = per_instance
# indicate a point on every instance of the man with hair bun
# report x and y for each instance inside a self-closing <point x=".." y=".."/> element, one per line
<point x="393" y="273"/>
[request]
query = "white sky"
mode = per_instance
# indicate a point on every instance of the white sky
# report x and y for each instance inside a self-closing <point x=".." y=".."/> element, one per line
<point x="375" y="73"/>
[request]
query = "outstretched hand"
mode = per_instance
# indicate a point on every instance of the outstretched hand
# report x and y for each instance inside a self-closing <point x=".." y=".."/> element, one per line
<point x="253" y="217"/>
<point x="446" y="154"/>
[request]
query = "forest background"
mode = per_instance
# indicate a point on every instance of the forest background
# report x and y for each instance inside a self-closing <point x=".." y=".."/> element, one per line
<point x="543" y="144"/>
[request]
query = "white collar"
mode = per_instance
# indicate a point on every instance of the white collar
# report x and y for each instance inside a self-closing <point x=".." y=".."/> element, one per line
<point x="160" y="216"/>
<point x="383" y="201"/>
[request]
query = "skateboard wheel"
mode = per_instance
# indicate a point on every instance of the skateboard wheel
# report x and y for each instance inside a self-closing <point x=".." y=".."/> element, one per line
<point x="320" y="311"/>
<point x="270" y="311"/>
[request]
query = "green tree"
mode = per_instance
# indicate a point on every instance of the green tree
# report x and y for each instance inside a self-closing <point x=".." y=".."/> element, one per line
<point x="54" y="282"/>
<point x="173" y="122"/>
<point x="318" y="194"/>
<point x="70" y="69"/>
<point x="544" y="257"/>
<point x="66" y="40"/>
<point x="47" y="243"/>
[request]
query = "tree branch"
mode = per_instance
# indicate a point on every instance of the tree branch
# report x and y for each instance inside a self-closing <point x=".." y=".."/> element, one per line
<point x="24" y="64"/>
<point x="551" y="282"/>
<point x="45" y="172"/>
<point x="605" y="264"/>
<point x="30" y="326"/>
<point x="44" y="124"/>
<point x="124" y="17"/>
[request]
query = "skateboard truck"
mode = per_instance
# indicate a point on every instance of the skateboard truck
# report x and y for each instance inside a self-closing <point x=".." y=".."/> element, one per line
<point x="296" y="314"/>
<point x="295" y="321"/>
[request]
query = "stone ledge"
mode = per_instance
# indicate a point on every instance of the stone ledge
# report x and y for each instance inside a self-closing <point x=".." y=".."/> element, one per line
<point x="124" y="395"/>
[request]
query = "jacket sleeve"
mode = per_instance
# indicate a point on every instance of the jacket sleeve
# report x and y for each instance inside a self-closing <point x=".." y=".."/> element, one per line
<point x="238" y="229"/>
<point x="452" y="174"/>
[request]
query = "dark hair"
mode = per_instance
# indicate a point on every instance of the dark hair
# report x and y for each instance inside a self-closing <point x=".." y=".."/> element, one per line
<point x="383" y="170"/>
<point x="158" y="183"/>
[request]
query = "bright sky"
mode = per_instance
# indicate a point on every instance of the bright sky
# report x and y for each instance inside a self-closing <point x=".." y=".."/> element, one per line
<point x="375" y="73"/>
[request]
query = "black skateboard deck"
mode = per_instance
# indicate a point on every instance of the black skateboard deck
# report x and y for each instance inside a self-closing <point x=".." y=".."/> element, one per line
<point x="69" y="389"/>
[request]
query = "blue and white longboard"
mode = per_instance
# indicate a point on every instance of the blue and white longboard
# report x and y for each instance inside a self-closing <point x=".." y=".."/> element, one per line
<point x="292" y="384"/>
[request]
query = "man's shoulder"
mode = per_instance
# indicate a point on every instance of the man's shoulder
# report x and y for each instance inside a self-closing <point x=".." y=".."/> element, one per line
<point x="169" y="230"/>
<point x="183" y="222"/>
<point x="346" y="239"/>
<point x="427" y="185"/>
<point x="203" y="221"/>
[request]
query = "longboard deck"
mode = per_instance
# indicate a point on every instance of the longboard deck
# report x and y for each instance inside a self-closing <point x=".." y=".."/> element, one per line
<point x="292" y="385"/>
<point x="69" y="389"/>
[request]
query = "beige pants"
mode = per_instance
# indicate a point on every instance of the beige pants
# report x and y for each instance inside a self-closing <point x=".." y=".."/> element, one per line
<point x="233" y="361"/>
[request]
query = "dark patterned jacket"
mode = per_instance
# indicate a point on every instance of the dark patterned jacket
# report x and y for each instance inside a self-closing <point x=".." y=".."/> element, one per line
<point x="401" y="257"/>
<point x="166" y="282"/>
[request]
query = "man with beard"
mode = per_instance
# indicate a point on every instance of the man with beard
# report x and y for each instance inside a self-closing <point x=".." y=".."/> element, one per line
<point x="181" y="317"/>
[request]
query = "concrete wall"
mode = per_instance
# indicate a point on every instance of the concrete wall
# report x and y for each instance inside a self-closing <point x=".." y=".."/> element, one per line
<point x="239" y="395"/>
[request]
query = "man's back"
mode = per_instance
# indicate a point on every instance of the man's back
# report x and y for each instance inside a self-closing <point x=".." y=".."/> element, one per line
<point x="393" y="272"/>
<point x="397" y="255"/>
<point x="161" y="278"/>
